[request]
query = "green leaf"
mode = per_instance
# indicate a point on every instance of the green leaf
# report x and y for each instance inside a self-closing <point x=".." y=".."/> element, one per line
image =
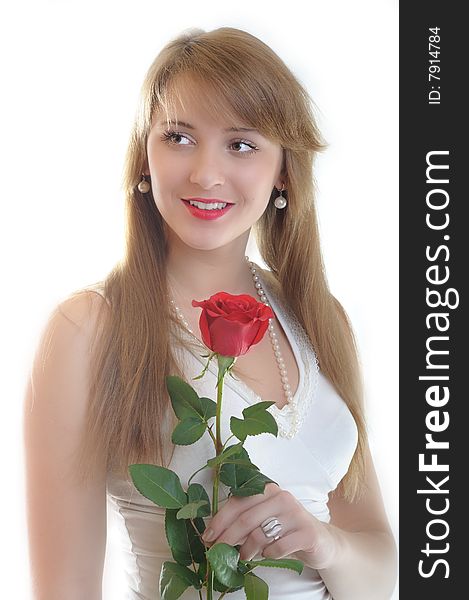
<point x="243" y="479"/>
<point x="263" y="405"/>
<point x="254" y="484"/>
<point x="240" y="461"/>
<point x="255" y="587"/>
<point x="186" y="402"/>
<point x="209" y="408"/>
<point x="188" y="431"/>
<point x="280" y="563"/>
<point x="256" y="420"/>
<point x="223" y="559"/>
<point x="202" y="572"/>
<point x="219" y="587"/>
<point x="232" y="458"/>
<point x="241" y="455"/>
<point x="196" y="544"/>
<point x="196" y="492"/>
<point x="177" y="537"/>
<point x="183" y="541"/>
<point x="175" y="579"/>
<point x="158" y="484"/>
<point x="216" y="460"/>
<point x="191" y="510"/>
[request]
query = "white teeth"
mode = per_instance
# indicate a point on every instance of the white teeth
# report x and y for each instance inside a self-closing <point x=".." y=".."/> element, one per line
<point x="204" y="206"/>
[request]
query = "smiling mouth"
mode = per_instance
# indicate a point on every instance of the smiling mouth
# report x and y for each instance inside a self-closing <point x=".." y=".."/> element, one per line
<point x="208" y="206"/>
<point x="209" y="212"/>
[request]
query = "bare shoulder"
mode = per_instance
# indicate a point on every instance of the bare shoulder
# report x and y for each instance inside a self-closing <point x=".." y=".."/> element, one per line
<point x="64" y="349"/>
<point x="83" y="310"/>
<point x="78" y="317"/>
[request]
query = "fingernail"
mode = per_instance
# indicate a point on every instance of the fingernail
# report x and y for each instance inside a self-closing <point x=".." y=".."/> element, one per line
<point x="208" y="535"/>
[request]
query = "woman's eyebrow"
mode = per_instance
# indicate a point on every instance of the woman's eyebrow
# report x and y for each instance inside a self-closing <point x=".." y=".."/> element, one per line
<point x="189" y="126"/>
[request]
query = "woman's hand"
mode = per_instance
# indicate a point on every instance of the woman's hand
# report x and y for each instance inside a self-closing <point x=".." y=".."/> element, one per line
<point x="238" y="522"/>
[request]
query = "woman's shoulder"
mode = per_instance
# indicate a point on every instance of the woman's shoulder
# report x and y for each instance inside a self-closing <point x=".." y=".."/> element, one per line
<point x="83" y="311"/>
<point x="83" y="304"/>
<point x="66" y="341"/>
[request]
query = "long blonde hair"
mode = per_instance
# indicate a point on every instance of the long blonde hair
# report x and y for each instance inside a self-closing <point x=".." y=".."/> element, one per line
<point x="130" y="418"/>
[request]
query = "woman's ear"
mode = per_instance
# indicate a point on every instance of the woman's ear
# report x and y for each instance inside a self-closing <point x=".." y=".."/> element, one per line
<point x="282" y="178"/>
<point x="280" y="183"/>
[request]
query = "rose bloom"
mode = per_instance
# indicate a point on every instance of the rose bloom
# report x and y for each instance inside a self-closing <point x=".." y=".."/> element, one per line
<point x="231" y="324"/>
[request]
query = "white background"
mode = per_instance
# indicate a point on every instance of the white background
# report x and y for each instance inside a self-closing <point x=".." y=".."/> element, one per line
<point x="70" y="75"/>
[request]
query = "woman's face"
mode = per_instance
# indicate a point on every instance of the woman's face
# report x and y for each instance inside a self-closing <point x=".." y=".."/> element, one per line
<point x="200" y="158"/>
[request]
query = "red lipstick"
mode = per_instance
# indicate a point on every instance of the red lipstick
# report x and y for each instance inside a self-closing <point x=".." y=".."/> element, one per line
<point x="207" y="200"/>
<point x="207" y="214"/>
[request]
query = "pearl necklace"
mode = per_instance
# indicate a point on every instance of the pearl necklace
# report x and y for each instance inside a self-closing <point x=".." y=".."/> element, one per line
<point x="273" y="335"/>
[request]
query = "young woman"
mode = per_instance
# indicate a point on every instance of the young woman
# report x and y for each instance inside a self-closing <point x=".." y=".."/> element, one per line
<point x="223" y="143"/>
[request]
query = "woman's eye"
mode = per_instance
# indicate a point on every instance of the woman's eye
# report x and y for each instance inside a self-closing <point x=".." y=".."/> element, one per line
<point x="248" y="147"/>
<point x="179" y="139"/>
<point x="174" y="137"/>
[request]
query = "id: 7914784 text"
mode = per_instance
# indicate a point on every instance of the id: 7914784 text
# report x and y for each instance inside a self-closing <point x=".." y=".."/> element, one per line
<point x="434" y="78"/>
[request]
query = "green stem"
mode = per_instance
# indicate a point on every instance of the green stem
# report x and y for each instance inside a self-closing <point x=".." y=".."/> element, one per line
<point x="218" y="449"/>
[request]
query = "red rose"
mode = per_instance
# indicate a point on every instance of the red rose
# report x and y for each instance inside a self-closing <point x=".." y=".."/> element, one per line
<point x="231" y="324"/>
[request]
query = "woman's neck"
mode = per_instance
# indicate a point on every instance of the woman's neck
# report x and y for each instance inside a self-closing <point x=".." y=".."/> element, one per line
<point x="200" y="274"/>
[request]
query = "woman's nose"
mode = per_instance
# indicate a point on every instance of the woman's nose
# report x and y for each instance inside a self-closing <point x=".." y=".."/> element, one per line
<point x="207" y="169"/>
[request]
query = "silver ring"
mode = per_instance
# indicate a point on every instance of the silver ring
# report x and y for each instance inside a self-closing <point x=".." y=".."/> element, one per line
<point x="271" y="527"/>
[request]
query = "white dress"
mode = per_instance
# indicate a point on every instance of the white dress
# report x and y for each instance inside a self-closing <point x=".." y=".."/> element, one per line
<point x="313" y="450"/>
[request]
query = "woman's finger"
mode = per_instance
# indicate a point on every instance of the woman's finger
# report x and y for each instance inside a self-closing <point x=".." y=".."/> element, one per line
<point x="281" y="505"/>
<point x="234" y="507"/>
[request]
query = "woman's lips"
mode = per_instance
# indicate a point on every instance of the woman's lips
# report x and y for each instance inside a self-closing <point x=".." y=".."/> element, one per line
<point x="208" y="215"/>
<point x="207" y="200"/>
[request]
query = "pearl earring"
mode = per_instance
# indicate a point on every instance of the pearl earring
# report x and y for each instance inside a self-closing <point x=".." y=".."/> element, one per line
<point x="280" y="201"/>
<point x="143" y="186"/>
